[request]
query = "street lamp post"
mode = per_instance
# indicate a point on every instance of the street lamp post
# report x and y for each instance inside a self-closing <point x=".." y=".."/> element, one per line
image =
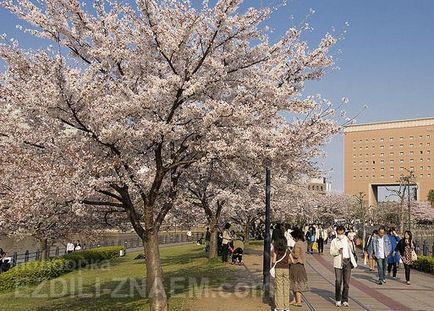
<point x="267" y="237"/>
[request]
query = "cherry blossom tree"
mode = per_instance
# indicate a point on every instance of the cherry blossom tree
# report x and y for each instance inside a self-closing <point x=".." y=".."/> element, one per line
<point x="134" y="95"/>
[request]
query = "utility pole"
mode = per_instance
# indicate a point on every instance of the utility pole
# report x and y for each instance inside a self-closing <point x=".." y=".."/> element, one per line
<point x="267" y="237"/>
<point x="408" y="179"/>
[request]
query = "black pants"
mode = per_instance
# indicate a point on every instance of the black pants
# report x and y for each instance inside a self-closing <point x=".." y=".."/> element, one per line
<point x="320" y="245"/>
<point x="407" y="272"/>
<point x="395" y="268"/>
<point x="343" y="277"/>
<point x="225" y="252"/>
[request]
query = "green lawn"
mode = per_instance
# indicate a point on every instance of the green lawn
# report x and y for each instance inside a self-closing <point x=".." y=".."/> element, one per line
<point x="118" y="284"/>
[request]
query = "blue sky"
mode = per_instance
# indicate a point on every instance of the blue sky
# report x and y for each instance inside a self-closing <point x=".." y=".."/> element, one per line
<point x="387" y="59"/>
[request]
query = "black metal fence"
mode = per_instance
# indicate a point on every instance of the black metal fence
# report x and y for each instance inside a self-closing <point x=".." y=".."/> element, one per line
<point x="164" y="238"/>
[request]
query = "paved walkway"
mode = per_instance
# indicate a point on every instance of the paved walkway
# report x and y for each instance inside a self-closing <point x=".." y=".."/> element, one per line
<point x="365" y="294"/>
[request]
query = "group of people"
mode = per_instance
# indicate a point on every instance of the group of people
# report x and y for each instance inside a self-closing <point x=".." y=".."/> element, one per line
<point x="73" y="247"/>
<point x="387" y="250"/>
<point x="288" y="259"/>
<point x="231" y="245"/>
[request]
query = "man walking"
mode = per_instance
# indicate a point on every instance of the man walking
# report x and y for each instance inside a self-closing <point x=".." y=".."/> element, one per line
<point x="321" y="235"/>
<point x="382" y="248"/>
<point x="342" y="250"/>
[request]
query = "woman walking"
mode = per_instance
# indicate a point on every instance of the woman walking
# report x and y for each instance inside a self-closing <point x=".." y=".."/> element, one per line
<point x="297" y="271"/>
<point x="281" y="256"/>
<point x="369" y="250"/>
<point x="405" y="247"/>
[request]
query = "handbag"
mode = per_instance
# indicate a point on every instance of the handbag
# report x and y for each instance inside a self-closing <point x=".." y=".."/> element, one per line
<point x="413" y="255"/>
<point x="315" y="246"/>
<point x="273" y="269"/>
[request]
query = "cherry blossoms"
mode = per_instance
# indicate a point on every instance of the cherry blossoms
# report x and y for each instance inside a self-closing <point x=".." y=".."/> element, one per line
<point x="132" y="98"/>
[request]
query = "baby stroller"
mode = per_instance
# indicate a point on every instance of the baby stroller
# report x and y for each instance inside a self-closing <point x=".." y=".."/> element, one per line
<point x="237" y="254"/>
<point x="5" y="264"/>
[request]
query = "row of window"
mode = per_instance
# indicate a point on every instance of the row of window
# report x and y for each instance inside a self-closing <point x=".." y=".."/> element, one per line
<point x="392" y="153"/>
<point x="421" y="175"/>
<point x="428" y="168"/>
<point x="391" y="161"/>
<point x="392" y="146"/>
<point x="411" y="137"/>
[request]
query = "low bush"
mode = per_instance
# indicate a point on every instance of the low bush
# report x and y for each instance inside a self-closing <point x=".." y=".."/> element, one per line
<point x="424" y="264"/>
<point x="37" y="271"/>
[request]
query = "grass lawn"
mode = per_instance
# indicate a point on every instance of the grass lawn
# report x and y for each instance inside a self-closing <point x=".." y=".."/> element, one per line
<point x="119" y="284"/>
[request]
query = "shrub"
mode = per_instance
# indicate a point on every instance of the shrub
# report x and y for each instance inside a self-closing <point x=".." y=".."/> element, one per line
<point x="424" y="264"/>
<point x="37" y="271"/>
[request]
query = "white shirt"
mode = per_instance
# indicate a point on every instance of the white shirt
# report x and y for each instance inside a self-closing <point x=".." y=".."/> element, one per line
<point x="289" y="238"/>
<point x="345" y="248"/>
<point x="381" y="247"/>
<point x="70" y="247"/>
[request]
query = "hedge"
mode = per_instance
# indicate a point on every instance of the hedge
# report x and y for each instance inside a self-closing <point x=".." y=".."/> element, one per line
<point x="37" y="271"/>
<point x="424" y="264"/>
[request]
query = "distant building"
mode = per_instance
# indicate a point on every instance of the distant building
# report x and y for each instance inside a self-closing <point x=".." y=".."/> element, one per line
<point x="319" y="184"/>
<point x="381" y="154"/>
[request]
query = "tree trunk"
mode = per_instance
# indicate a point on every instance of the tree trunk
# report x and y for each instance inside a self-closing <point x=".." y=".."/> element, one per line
<point x="212" y="252"/>
<point x="401" y="218"/>
<point x="154" y="273"/>
<point x="246" y="233"/>
<point x="43" y="243"/>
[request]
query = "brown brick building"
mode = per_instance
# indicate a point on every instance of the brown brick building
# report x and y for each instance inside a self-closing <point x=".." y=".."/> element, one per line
<point x="379" y="154"/>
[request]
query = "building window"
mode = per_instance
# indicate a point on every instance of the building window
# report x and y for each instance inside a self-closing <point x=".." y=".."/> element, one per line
<point x="392" y="168"/>
<point x="391" y="138"/>
<point x="391" y="146"/>
<point x="401" y="168"/>
<point x="411" y="168"/>
<point x="381" y="139"/>
<point x="382" y="176"/>
<point x="381" y="147"/>
<point x="411" y="160"/>
<point x="412" y="152"/>
<point x="420" y="136"/>
<point x="401" y="161"/>
<point x="401" y="146"/>
<point x="381" y="154"/>
<point x="401" y="138"/>
<point x="421" y="152"/>
<point x="392" y="153"/>
<point x="428" y="144"/>
<point x="411" y="137"/>
<point x="373" y="162"/>
<point x="411" y="145"/>
<point x="428" y="175"/>
<point x="428" y="136"/>
<point x="382" y="169"/>
<point x="392" y="176"/>
<point x="428" y="168"/>
<point x="421" y="175"/>
<point x="421" y="168"/>
<point x="401" y="153"/>
<point x="382" y="161"/>
<point x="392" y="161"/>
